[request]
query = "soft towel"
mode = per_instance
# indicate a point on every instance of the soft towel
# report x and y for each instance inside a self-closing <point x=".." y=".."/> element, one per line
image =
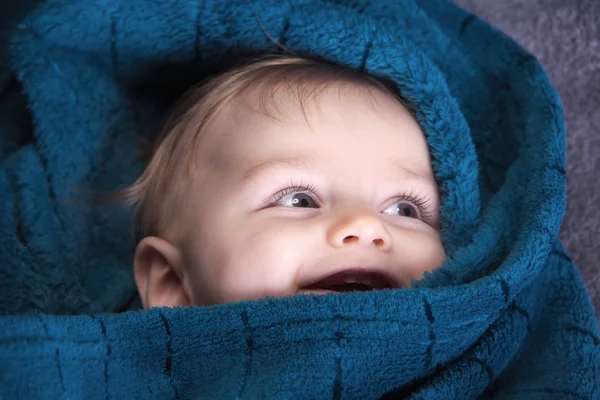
<point x="565" y="35"/>
<point x="506" y="317"/>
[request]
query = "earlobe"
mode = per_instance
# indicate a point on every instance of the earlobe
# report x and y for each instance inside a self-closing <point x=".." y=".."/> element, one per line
<point x="159" y="274"/>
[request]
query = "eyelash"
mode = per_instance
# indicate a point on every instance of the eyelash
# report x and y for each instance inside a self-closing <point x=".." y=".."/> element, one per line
<point x="293" y="188"/>
<point x="423" y="203"/>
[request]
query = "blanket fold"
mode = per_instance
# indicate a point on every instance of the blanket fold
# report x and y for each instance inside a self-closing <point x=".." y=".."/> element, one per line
<point x="507" y="315"/>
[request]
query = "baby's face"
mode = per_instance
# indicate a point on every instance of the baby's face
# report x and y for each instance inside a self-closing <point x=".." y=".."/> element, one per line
<point x="308" y="202"/>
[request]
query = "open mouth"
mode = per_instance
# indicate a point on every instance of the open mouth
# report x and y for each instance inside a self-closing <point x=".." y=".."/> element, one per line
<point x="353" y="280"/>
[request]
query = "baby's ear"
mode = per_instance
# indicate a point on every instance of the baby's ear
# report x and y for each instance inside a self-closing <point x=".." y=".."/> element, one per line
<point x="159" y="274"/>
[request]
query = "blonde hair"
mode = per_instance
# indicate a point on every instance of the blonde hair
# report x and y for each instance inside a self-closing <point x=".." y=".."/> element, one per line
<point x="173" y="153"/>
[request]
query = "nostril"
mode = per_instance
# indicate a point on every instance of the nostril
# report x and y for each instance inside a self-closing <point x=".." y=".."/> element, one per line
<point x="378" y="242"/>
<point x="350" y="239"/>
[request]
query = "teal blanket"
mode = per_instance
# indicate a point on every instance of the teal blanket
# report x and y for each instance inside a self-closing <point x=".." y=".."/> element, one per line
<point x="506" y="317"/>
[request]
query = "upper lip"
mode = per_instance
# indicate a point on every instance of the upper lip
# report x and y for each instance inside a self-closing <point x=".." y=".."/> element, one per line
<point x="376" y="277"/>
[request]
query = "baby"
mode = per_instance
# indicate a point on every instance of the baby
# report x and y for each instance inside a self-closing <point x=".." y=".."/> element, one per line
<point x="285" y="176"/>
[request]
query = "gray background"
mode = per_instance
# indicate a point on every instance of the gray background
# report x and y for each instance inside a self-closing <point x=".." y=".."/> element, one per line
<point x="565" y="36"/>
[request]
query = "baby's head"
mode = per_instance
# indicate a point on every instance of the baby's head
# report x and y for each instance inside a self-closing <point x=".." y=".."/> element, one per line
<point x="285" y="176"/>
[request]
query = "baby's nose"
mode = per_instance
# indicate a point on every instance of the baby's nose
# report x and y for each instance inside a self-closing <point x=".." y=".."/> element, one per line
<point x="359" y="227"/>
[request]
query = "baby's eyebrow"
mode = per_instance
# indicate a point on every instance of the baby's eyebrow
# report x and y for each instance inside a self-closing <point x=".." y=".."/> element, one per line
<point x="423" y="177"/>
<point x="295" y="162"/>
<point x="302" y="162"/>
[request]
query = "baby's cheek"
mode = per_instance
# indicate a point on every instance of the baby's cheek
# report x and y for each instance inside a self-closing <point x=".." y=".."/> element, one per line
<point x="420" y="253"/>
<point x="262" y="263"/>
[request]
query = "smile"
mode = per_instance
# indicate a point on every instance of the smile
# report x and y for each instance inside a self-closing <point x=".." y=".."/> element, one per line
<point x="354" y="279"/>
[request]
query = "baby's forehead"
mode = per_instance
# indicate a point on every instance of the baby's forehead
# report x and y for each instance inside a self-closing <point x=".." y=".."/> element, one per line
<point x="373" y="130"/>
<point x="281" y="108"/>
<point x="281" y="101"/>
<point x="275" y="87"/>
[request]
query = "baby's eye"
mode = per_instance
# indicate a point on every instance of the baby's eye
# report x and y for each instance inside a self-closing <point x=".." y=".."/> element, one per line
<point x="298" y="199"/>
<point x="403" y="208"/>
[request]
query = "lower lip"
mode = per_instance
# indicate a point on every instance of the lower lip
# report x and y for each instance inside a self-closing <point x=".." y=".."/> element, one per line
<point x="316" y="291"/>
